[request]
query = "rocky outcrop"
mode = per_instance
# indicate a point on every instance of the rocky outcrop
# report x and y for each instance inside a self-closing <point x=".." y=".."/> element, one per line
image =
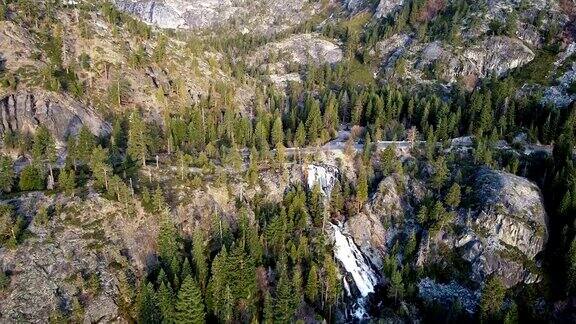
<point x="264" y="15"/>
<point x="179" y="14"/>
<point x="81" y="253"/>
<point x="495" y="55"/>
<point x="503" y="232"/>
<point x="448" y="294"/>
<point x="386" y="7"/>
<point x="324" y="176"/>
<point x="24" y="111"/>
<point x="564" y="92"/>
<point x="310" y="48"/>
<point x="383" y="218"/>
<point x="506" y="231"/>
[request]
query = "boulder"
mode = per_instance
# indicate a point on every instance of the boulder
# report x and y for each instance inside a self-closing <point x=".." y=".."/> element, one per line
<point x="505" y="231"/>
<point x="386" y="7"/>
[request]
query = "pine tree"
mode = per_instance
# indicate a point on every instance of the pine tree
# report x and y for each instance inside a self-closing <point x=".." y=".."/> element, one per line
<point x="312" y="284"/>
<point x="315" y="205"/>
<point x="314" y="123"/>
<point x="284" y="307"/>
<point x="67" y="181"/>
<point x="253" y="167"/>
<point x="166" y="302"/>
<point x="85" y="144"/>
<point x="277" y="134"/>
<point x="189" y="305"/>
<point x="300" y="136"/>
<point x="99" y="166"/>
<point x="242" y="279"/>
<point x="218" y="283"/>
<point x="298" y="284"/>
<point x="268" y="308"/>
<point x="196" y="130"/>
<point x="6" y="174"/>
<point x="440" y="173"/>
<point x="158" y="201"/>
<point x="492" y="298"/>
<point x="331" y="121"/>
<point x="280" y="155"/>
<point x="453" y="196"/>
<point x="167" y="240"/>
<point x="331" y="282"/>
<point x="571" y="268"/>
<point x="31" y="178"/>
<point x="511" y="316"/>
<point x="186" y="269"/>
<point x="137" y="144"/>
<point x="148" y="311"/>
<point x="227" y="311"/>
<point x="44" y="148"/>
<point x="396" y="289"/>
<point x="362" y="187"/>
<point x="336" y="199"/>
<point x="389" y="162"/>
<point x="200" y="257"/>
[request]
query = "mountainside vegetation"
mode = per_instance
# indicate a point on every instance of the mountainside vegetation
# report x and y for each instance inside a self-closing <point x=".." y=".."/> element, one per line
<point x="383" y="160"/>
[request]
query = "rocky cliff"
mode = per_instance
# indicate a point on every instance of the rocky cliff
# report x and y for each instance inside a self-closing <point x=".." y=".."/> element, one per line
<point x="262" y="16"/>
<point x="24" y="111"/>
<point x="502" y="233"/>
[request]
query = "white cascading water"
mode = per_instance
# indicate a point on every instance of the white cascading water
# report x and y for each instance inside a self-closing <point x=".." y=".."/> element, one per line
<point x="345" y="250"/>
<point x="354" y="262"/>
<point x="325" y="176"/>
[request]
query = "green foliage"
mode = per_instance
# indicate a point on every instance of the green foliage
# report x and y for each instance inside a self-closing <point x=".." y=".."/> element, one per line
<point x="312" y="284"/>
<point x="44" y="148"/>
<point x="4" y="281"/>
<point x="119" y="91"/>
<point x="166" y="302"/>
<point x="453" y="197"/>
<point x="137" y="141"/>
<point x="67" y="181"/>
<point x="492" y="298"/>
<point x="313" y="122"/>
<point x="6" y="174"/>
<point x="200" y="257"/>
<point x="362" y="186"/>
<point x="396" y="289"/>
<point x="167" y="240"/>
<point x="571" y="268"/>
<point x="12" y="226"/>
<point x="31" y="178"/>
<point x="148" y="310"/>
<point x="537" y="70"/>
<point x="440" y="173"/>
<point x="189" y="306"/>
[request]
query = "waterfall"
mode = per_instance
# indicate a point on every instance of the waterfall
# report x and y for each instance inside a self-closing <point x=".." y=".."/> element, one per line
<point x="324" y="175"/>
<point x="354" y="262"/>
<point x="345" y="250"/>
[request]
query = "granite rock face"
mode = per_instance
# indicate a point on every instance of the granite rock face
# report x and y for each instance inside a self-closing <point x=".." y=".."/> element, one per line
<point x="261" y="16"/>
<point x="25" y="111"/>
<point x="386" y="7"/>
<point x="507" y="230"/>
<point x="502" y="233"/>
